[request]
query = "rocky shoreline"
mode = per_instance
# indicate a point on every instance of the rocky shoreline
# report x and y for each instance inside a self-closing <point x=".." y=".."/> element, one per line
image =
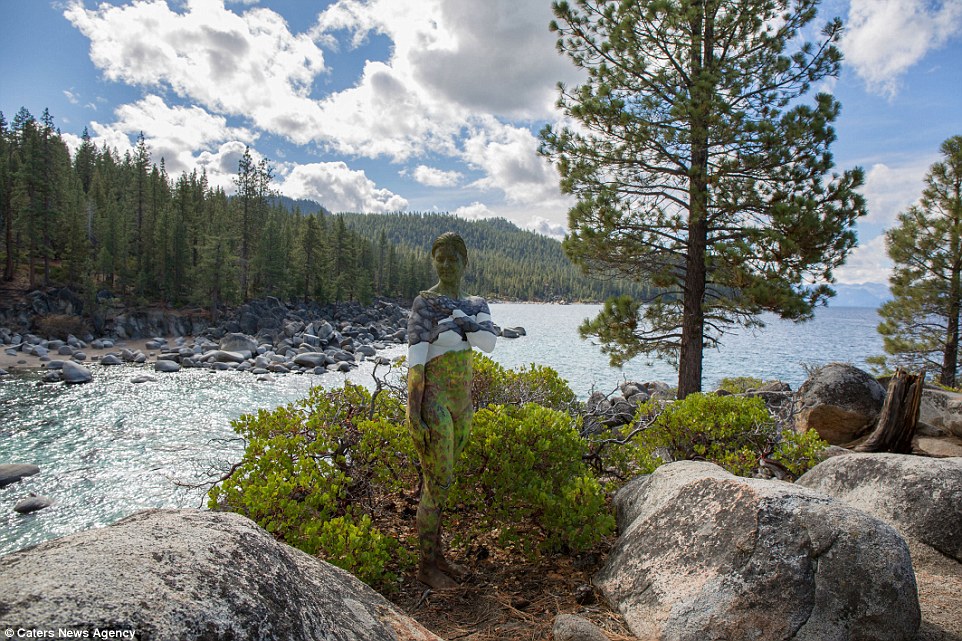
<point x="262" y="337"/>
<point x="265" y="336"/>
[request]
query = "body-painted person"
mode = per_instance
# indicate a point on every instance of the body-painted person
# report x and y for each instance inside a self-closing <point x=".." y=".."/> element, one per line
<point x="442" y="329"/>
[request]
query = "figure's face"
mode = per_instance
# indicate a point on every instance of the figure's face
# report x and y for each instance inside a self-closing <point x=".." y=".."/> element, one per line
<point x="449" y="265"/>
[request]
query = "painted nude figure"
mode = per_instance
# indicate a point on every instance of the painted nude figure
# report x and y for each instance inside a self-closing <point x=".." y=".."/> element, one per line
<point x="442" y="329"/>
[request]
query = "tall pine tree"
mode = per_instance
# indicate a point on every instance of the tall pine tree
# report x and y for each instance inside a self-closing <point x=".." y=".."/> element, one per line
<point x="699" y="168"/>
<point x="920" y="325"/>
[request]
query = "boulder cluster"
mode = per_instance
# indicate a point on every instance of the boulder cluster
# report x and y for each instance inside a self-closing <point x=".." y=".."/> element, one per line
<point x="703" y="554"/>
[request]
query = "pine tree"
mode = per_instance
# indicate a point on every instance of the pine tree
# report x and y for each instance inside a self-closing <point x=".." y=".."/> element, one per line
<point x="253" y="191"/>
<point x="920" y="325"/>
<point x="6" y="192"/>
<point x="699" y="169"/>
<point x="310" y="243"/>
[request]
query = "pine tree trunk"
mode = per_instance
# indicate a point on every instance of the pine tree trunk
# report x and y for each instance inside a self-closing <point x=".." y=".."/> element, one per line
<point x="950" y="355"/>
<point x="8" y="268"/>
<point x="900" y="415"/>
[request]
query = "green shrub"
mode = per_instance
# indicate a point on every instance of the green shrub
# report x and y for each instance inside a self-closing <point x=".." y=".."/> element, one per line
<point x="494" y="385"/>
<point x="731" y="431"/>
<point x="317" y="473"/>
<point x="360" y="548"/>
<point x="523" y="466"/>
<point x="740" y="384"/>
<point x="313" y="471"/>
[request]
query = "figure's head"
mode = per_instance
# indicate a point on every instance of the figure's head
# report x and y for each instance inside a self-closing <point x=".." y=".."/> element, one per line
<point x="450" y="256"/>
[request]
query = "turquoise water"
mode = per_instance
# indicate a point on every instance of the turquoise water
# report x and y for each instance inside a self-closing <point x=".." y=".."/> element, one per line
<point x="111" y="447"/>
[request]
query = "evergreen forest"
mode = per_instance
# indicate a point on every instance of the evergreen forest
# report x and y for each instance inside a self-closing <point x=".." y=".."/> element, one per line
<point x="101" y="222"/>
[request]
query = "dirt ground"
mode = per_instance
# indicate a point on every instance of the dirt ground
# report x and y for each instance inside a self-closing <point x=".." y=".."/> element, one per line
<point x="503" y="597"/>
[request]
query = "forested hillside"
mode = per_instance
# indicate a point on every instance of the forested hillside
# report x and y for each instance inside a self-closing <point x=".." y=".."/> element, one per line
<point x="504" y="261"/>
<point x="109" y="224"/>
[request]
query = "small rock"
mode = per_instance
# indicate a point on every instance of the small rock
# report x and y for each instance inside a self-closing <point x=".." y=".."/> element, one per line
<point x="32" y="504"/>
<point x="142" y="379"/>
<point x="12" y="472"/>
<point x="76" y="373"/>
<point x="568" y="627"/>
<point x="166" y="366"/>
<point x="111" y="359"/>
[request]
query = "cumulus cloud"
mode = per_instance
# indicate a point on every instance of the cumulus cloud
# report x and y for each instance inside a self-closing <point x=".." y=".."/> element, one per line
<point x="248" y="64"/>
<point x="462" y="83"/>
<point x="889" y="190"/>
<point x="474" y="211"/>
<point x="340" y="189"/>
<point x="434" y="177"/>
<point x="71" y="96"/>
<point x="868" y="263"/>
<point x="509" y="157"/>
<point x="884" y="38"/>
<point x="494" y="57"/>
<point x="185" y="137"/>
<point x="545" y="227"/>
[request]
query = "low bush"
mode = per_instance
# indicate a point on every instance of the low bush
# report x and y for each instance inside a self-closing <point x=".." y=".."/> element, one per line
<point x="740" y="384"/>
<point x="315" y="471"/>
<point x="731" y="431"/>
<point x="317" y="474"/>
<point x="493" y="384"/>
<point x="524" y="467"/>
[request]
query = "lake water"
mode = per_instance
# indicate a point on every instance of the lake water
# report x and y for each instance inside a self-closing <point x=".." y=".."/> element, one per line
<point x="111" y="447"/>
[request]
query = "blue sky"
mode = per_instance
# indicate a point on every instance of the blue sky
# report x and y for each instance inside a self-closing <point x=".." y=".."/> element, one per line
<point x="423" y="105"/>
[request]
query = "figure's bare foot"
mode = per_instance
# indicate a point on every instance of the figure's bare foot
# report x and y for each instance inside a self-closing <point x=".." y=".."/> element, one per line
<point x="432" y="575"/>
<point x="451" y="569"/>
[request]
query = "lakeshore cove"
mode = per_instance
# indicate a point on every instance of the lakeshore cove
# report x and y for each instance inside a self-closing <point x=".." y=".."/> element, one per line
<point x="109" y="448"/>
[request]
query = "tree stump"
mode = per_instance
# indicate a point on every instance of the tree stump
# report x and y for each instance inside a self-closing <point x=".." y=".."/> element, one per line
<point x="899" y="417"/>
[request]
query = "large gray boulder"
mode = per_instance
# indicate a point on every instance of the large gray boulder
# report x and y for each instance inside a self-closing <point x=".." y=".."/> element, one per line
<point x="240" y="343"/>
<point x="705" y="555"/>
<point x="12" y="472"/>
<point x="223" y="356"/>
<point x="192" y="574"/>
<point x="76" y="373"/>
<point x="920" y="496"/>
<point x="840" y="402"/>
<point x="942" y="409"/>
<point x="312" y="359"/>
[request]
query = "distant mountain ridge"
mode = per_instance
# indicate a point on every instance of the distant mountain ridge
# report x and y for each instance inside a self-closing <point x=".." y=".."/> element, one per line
<point x="860" y="295"/>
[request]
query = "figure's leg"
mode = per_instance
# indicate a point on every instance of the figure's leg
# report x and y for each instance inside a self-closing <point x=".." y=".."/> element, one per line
<point x="436" y="450"/>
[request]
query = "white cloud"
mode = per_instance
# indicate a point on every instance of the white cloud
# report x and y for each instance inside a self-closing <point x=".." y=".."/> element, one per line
<point x="71" y="96"/>
<point x="509" y="157"/>
<point x="221" y="164"/>
<point x="185" y="137"/>
<point x="545" y="227"/>
<point x="433" y="177"/>
<point x="889" y="190"/>
<point x="248" y="64"/>
<point x="884" y="38"/>
<point x="340" y="189"/>
<point x="474" y="211"/>
<point x="868" y="263"/>
<point x="496" y="57"/>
